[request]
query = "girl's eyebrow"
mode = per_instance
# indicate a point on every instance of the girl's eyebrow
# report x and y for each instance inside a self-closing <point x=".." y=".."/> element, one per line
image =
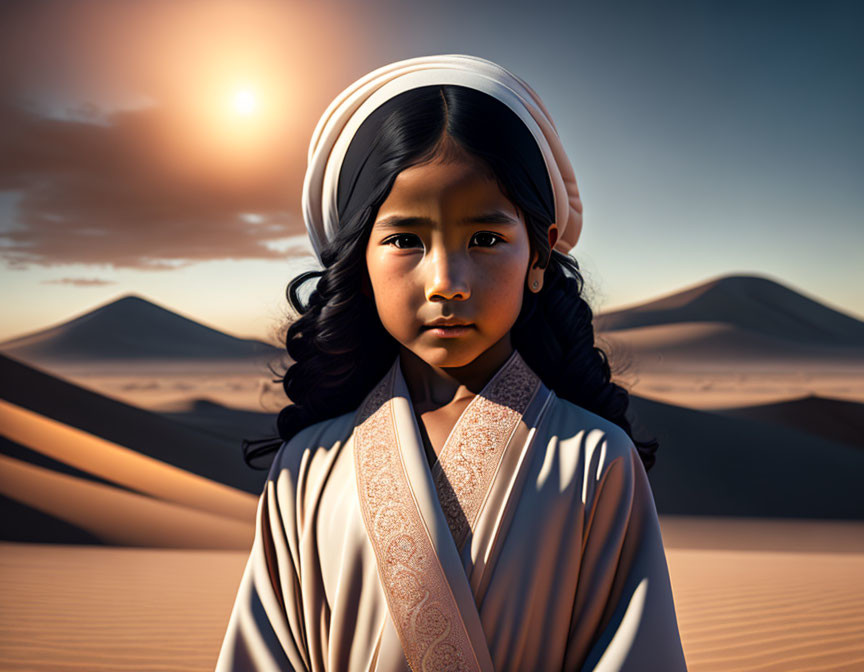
<point x="398" y="221"/>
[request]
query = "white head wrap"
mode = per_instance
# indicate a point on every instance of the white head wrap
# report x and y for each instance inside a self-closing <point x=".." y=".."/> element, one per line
<point x="346" y="113"/>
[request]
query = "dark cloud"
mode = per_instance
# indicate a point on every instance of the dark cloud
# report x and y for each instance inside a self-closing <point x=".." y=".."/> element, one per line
<point x="112" y="193"/>
<point x="80" y="282"/>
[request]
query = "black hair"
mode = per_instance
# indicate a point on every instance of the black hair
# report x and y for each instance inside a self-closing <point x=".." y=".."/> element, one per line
<point x="338" y="345"/>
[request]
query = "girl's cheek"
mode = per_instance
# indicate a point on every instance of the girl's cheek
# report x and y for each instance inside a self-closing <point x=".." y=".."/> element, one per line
<point x="505" y="274"/>
<point x="396" y="266"/>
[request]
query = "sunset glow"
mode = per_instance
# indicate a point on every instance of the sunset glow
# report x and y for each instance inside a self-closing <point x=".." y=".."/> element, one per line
<point x="245" y="102"/>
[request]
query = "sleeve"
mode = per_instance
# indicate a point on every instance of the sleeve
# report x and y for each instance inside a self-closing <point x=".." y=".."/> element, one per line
<point x="624" y="613"/>
<point x="266" y="630"/>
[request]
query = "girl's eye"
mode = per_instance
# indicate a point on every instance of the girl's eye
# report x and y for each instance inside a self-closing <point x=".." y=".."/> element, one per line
<point x="485" y="239"/>
<point x="404" y="240"/>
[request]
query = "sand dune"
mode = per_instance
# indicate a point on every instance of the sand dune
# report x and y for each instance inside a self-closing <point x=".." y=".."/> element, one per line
<point x="709" y="464"/>
<point x="748" y="302"/>
<point x="763" y="534"/>
<point x="211" y="416"/>
<point x="132" y="327"/>
<point x="731" y="341"/>
<point x="709" y="345"/>
<point x="714" y="465"/>
<point x="205" y="453"/>
<point x="117" y="516"/>
<point x="834" y="419"/>
<point x="742" y="386"/>
<point x="121" y="465"/>
<point x="178" y="386"/>
<point x="105" y="491"/>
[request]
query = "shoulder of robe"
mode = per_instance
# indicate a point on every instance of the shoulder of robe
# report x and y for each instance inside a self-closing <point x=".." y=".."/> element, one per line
<point x="312" y="442"/>
<point x="580" y="431"/>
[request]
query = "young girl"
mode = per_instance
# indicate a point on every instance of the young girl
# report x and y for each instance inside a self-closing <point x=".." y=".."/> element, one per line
<point x="456" y="487"/>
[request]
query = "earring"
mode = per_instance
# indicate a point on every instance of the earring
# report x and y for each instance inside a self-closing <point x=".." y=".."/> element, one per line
<point x="535" y="284"/>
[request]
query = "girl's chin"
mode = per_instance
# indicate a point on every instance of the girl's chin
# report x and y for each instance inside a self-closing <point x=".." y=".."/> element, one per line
<point x="448" y="355"/>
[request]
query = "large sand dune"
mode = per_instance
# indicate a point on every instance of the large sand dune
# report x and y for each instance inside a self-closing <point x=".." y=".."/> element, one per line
<point x="198" y="451"/>
<point x="733" y="341"/>
<point x="730" y="464"/>
<point x="121" y="465"/>
<point x="132" y="327"/>
<point x="136" y="500"/>
<point x="712" y="345"/>
<point x="89" y="488"/>
<point x="751" y="303"/>
<point x="713" y="464"/>
<point x="715" y="389"/>
<point x="834" y="419"/>
<point x="208" y="415"/>
<point x="119" y="517"/>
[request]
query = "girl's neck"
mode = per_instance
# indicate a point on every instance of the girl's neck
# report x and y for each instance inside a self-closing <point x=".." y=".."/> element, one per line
<point x="433" y="386"/>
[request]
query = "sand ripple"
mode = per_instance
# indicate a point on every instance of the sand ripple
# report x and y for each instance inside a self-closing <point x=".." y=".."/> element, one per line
<point x="761" y="610"/>
<point x="92" y="608"/>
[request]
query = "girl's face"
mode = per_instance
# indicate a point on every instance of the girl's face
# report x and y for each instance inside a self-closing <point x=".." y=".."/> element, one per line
<point x="447" y="246"/>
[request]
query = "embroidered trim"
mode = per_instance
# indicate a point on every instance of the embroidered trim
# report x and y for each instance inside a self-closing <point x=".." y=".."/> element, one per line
<point x="423" y="609"/>
<point x="470" y="457"/>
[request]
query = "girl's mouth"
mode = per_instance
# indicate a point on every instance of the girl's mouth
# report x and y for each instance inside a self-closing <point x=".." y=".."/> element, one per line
<point x="453" y="331"/>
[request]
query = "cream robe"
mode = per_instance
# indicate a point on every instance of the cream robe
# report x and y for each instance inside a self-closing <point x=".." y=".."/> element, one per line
<point x="532" y="544"/>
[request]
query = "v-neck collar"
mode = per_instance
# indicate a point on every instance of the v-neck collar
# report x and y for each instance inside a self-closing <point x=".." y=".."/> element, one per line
<point x="416" y="525"/>
<point x="469" y="458"/>
<point x="402" y="383"/>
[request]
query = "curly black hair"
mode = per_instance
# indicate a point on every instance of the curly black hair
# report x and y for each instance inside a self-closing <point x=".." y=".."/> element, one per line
<point x="338" y="345"/>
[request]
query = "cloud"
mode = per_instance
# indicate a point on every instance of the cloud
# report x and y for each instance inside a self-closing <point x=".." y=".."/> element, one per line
<point x="121" y="145"/>
<point x="121" y="193"/>
<point x="80" y="282"/>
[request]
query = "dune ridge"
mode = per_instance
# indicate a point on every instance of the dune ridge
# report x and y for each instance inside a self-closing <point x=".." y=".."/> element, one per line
<point x="709" y="344"/>
<point x="834" y="419"/>
<point x="121" y="465"/>
<point x="713" y="465"/>
<point x="117" y="516"/>
<point x="750" y="302"/>
<point x="132" y="327"/>
<point x="201" y="452"/>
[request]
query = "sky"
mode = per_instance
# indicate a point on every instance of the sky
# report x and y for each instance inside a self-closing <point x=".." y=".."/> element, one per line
<point x="158" y="147"/>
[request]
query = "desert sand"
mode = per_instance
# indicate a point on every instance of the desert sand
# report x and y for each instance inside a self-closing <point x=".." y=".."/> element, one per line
<point x="92" y="609"/>
<point x="710" y="390"/>
<point x="168" y="385"/>
<point x="745" y="611"/>
<point x="96" y="608"/>
<point x="705" y="389"/>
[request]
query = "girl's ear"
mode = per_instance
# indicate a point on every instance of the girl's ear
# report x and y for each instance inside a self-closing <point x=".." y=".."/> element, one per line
<point x="553" y="236"/>
<point x="536" y="275"/>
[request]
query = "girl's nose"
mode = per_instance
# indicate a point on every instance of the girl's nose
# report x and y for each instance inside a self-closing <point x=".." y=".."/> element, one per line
<point x="447" y="278"/>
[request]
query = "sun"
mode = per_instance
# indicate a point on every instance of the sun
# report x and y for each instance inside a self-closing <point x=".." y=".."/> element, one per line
<point x="245" y="102"/>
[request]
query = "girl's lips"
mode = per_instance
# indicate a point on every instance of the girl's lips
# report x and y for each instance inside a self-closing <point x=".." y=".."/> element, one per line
<point x="449" y="332"/>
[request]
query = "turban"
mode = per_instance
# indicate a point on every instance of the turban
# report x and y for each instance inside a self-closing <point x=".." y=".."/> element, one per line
<point x="342" y="119"/>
